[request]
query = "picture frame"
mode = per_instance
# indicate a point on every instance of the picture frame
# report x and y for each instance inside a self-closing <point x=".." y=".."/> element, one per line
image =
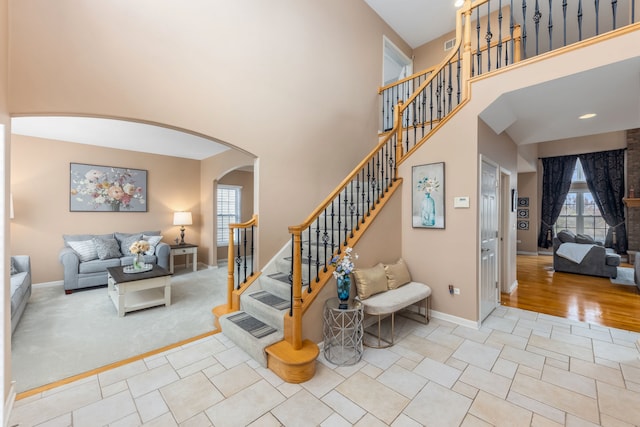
<point x="95" y="188"/>
<point x="428" y="196"/>
<point x="523" y="224"/>
<point x="523" y="202"/>
<point x="523" y="213"/>
<point x="514" y="199"/>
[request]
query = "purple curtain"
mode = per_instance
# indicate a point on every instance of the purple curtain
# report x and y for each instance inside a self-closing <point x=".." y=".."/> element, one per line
<point x="604" y="172"/>
<point x="556" y="182"/>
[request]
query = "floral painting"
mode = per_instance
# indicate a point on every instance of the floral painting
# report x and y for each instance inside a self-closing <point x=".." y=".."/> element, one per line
<point x="428" y="196"/>
<point x="107" y="189"/>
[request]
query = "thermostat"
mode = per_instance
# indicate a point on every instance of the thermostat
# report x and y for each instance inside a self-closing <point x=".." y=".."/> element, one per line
<point x="461" y="202"/>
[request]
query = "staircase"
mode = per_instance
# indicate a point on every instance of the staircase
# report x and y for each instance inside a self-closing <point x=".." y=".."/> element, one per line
<point x="268" y="320"/>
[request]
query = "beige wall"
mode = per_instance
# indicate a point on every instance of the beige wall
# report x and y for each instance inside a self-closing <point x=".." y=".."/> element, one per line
<point x="277" y="81"/>
<point x="5" y="299"/>
<point x="40" y="187"/>
<point x="245" y="180"/>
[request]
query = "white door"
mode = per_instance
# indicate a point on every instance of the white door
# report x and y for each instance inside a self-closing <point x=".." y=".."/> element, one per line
<point x="488" y="239"/>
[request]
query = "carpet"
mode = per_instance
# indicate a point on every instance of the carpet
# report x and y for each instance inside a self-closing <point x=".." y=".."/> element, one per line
<point x="64" y="335"/>
<point x="252" y="325"/>
<point x="625" y="277"/>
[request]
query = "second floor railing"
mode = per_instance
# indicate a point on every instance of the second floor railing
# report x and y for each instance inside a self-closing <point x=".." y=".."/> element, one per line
<point x="500" y="33"/>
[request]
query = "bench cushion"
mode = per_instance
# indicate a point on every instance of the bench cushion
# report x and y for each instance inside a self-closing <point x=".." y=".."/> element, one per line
<point x="396" y="299"/>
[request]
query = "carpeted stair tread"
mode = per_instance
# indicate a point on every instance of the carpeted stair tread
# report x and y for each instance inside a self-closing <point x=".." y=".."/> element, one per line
<point x="250" y="324"/>
<point x="271" y="300"/>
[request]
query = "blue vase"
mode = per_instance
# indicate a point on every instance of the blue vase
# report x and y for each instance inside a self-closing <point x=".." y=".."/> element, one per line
<point x="344" y="288"/>
<point x="428" y="211"/>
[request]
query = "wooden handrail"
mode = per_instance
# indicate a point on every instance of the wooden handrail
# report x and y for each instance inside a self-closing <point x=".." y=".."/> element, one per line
<point x="406" y="79"/>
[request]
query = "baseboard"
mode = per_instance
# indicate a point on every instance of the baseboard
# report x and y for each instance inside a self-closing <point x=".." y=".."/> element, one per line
<point x="48" y="284"/>
<point x="513" y="287"/>
<point x="455" y="319"/>
<point x="8" y="405"/>
<point x="526" y="253"/>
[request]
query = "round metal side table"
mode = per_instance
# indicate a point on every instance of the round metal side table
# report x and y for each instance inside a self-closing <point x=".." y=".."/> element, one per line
<point x="342" y="332"/>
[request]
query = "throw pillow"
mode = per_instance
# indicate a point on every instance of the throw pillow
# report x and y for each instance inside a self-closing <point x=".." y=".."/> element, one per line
<point x="370" y="281"/>
<point x="85" y="249"/>
<point x="397" y="274"/>
<point x="153" y="242"/>
<point x="584" y="239"/>
<point x="126" y="240"/>
<point x="566" y="236"/>
<point x="107" y="248"/>
<point x="14" y="269"/>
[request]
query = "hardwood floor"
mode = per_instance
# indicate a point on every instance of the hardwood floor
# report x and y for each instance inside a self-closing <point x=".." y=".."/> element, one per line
<point x="573" y="296"/>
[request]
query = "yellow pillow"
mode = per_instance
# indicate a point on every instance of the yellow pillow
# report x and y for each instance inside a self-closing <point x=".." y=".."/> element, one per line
<point x="397" y="274"/>
<point x="370" y="281"/>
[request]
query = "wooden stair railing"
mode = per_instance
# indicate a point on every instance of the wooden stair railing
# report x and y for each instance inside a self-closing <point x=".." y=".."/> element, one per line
<point x="242" y="257"/>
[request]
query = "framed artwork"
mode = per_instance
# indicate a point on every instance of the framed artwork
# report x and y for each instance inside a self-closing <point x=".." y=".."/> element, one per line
<point x="107" y="189"/>
<point x="523" y="202"/>
<point x="523" y="224"/>
<point x="514" y="199"/>
<point x="523" y="213"/>
<point x="428" y="196"/>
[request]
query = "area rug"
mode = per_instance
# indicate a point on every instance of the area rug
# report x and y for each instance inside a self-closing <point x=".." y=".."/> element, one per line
<point x="625" y="277"/>
<point x="64" y="335"/>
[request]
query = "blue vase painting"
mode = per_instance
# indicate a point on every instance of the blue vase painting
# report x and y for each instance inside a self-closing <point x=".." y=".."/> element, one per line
<point x="344" y="288"/>
<point x="428" y="211"/>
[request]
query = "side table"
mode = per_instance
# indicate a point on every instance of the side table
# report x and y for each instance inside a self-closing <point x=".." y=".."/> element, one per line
<point x="185" y="250"/>
<point x="342" y="332"/>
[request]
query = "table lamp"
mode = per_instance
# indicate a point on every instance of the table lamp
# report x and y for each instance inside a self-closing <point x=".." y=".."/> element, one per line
<point x="182" y="219"/>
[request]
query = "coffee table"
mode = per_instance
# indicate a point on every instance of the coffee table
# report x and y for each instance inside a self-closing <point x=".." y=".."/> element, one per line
<point x="135" y="291"/>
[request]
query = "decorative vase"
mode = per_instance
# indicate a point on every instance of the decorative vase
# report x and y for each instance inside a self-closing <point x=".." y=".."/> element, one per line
<point x="428" y="211"/>
<point x="115" y="206"/>
<point x="344" y="288"/>
<point x="138" y="262"/>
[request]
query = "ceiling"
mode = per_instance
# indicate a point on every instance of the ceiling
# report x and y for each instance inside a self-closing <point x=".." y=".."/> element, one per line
<point x="617" y="86"/>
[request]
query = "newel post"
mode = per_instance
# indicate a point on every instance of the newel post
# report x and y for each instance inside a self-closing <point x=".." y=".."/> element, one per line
<point x="296" y="328"/>
<point x="230" y="271"/>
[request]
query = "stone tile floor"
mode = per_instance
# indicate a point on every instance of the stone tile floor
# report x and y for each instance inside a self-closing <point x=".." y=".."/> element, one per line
<point x="520" y="368"/>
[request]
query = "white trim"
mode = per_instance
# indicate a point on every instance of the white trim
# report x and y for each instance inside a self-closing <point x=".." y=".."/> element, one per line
<point x="513" y="287"/>
<point x="48" y="284"/>
<point x="455" y="319"/>
<point x="8" y="405"/>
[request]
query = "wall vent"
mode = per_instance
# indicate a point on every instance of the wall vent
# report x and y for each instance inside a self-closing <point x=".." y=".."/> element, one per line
<point x="449" y="44"/>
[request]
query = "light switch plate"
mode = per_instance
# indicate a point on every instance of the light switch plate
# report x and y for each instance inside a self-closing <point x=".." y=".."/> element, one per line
<point x="461" y="202"/>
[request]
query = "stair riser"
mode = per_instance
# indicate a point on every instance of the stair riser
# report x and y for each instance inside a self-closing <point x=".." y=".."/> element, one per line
<point x="263" y="312"/>
<point x="253" y="346"/>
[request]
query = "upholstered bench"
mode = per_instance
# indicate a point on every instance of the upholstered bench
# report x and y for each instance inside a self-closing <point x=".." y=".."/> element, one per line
<point x="385" y="290"/>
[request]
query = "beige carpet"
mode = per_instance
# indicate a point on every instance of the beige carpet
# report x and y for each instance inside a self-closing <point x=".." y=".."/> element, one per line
<point x="64" y="335"/>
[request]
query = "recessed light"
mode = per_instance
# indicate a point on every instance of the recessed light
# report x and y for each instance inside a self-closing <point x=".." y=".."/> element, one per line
<point x="587" y="116"/>
<point x="458" y="3"/>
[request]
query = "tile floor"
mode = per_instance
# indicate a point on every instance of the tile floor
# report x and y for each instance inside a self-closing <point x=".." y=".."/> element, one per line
<point x="520" y="368"/>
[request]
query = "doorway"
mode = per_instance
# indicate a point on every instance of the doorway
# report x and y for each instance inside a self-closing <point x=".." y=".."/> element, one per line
<point x="489" y="238"/>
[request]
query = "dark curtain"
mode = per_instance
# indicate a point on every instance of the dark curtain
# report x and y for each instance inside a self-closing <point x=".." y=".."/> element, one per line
<point x="604" y="172"/>
<point x="556" y="182"/>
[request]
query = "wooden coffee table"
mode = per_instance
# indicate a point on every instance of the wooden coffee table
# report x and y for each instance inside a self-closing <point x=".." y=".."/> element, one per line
<point x="135" y="291"/>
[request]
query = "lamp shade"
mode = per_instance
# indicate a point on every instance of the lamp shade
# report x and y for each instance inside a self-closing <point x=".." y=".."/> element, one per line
<point x="182" y="218"/>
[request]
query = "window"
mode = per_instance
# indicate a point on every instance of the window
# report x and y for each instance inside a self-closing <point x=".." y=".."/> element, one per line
<point x="580" y="214"/>
<point x="228" y="211"/>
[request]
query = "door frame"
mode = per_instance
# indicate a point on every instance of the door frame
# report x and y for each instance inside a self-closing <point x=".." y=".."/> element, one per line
<point x="500" y="203"/>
